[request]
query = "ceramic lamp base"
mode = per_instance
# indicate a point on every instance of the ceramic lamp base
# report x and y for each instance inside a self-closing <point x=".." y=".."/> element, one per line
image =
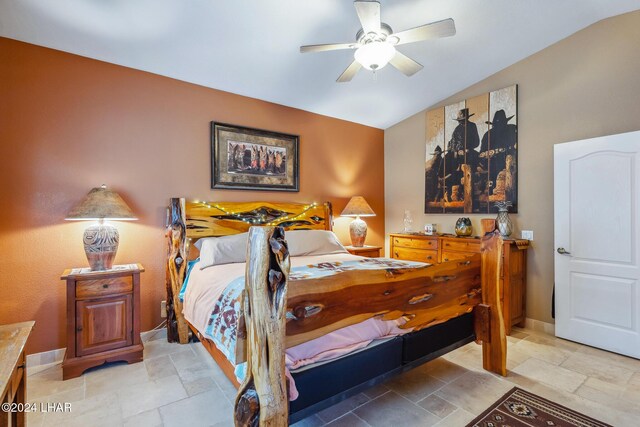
<point x="100" y="245"/>
<point x="358" y="232"/>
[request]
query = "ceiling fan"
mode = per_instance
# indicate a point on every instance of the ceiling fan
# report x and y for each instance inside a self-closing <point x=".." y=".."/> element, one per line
<point x="376" y="42"/>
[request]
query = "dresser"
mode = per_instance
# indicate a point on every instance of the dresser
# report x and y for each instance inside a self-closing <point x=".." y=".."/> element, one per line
<point x="103" y="318"/>
<point x="13" y="372"/>
<point x="442" y="248"/>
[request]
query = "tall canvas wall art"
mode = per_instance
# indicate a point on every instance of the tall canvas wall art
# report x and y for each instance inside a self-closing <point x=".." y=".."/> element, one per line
<point x="472" y="154"/>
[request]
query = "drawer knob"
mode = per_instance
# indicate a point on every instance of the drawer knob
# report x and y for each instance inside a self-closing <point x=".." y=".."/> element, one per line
<point x="396" y="253"/>
<point x="105" y="286"/>
<point x="429" y="257"/>
<point x="79" y="329"/>
<point x="446" y="259"/>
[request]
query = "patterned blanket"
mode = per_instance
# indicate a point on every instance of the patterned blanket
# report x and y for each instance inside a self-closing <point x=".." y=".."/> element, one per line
<point x="222" y="325"/>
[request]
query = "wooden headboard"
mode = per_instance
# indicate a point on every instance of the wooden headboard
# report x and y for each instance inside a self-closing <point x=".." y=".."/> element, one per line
<point x="189" y="221"/>
<point x="214" y="219"/>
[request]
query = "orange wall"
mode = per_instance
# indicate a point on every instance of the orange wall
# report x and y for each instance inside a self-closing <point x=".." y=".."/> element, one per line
<point x="69" y="123"/>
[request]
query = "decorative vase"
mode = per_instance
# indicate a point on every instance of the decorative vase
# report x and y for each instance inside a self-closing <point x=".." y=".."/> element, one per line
<point x="463" y="227"/>
<point x="408" y="221"/>
<point x="358" y="232"/>
<point x="503" y="222"/>
<point x="100" y="245"/>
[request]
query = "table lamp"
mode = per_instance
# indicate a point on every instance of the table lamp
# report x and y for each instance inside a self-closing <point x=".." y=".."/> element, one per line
<point x="358" y="207"/>
<point x="101" y="239"/>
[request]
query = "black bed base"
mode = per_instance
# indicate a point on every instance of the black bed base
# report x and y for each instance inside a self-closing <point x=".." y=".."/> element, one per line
<point x="328" y="384"/>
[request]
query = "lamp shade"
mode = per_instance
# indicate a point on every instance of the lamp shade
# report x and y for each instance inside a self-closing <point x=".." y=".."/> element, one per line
<point x="101" y="203"/>
<point x="357" y="206"/>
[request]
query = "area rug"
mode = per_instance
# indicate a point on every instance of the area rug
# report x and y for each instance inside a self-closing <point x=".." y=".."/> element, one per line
<point x="519" y="408"/>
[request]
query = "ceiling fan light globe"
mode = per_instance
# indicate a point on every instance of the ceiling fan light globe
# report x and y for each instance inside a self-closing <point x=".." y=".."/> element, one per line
<point x="375" y="55"/>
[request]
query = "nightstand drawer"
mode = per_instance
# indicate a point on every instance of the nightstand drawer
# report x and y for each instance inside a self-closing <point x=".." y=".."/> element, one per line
<point x="102" y="287"/>
<point x="371" y="253"/>
<point x="420" y="255"/>
<point x="415" y="242"/>
<point x="467" y="245"/>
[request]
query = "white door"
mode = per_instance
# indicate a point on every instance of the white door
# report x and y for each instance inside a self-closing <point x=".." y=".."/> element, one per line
<point x="597" y="262"/>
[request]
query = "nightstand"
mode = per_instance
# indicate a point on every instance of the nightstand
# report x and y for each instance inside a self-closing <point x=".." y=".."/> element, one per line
<point x="366" y="251"/>
<point x="103" y="317"/>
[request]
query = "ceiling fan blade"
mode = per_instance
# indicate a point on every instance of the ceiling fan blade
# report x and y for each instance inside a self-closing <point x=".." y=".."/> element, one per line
<point x="369" y="15"/>
<point x="326" y="47"/>
<point x="405" y="64"/>
<point x="444" y="28"/>
<point x="350" y="72"/>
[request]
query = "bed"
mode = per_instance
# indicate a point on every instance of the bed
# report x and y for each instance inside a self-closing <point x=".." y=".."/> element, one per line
<point x="285" y="304"/>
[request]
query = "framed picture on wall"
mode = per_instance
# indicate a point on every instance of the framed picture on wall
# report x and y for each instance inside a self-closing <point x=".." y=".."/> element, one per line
<point x="252" y="159"/>
<point x="471" y="160"/>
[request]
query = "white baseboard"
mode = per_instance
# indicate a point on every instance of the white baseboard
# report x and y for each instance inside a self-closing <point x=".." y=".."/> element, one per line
<point x="540" y="326"/>
<point x="53" y="357"/>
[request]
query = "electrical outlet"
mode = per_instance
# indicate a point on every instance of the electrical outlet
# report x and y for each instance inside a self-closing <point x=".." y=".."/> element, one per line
<point x="527" y="234"/>
<point x="163" y="308"/>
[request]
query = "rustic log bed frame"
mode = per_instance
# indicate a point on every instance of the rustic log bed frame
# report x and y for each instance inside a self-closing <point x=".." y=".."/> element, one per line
<point x="277" y="316"/>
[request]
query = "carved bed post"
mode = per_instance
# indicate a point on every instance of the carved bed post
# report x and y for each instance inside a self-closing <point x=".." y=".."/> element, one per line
<point x="262" y="398"/>
<point x="177" y="328"/>
<point x="494" y="343"/>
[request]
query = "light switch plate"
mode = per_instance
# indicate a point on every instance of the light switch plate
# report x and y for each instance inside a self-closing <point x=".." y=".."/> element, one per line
<point x="527" y="234"/>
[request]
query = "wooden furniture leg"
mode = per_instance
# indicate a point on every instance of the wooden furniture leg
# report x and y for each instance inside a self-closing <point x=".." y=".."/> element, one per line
<point x="177" y="328"/>
<point x="494" y="349"/>
<point x="262" y="398"/>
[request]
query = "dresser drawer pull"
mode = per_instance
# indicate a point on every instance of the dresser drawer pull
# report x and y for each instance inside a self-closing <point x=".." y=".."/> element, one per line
<point x="396" y="253"/>
<point x="463" y="263"/>
<point x="105" y="286"/>
<point x="446" y="259"/>
<point x="79" y="329"/>
<point x="430" y="257"/>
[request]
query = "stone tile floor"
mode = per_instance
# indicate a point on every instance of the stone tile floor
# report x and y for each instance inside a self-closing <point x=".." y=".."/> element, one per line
<point x="180" y="385"/>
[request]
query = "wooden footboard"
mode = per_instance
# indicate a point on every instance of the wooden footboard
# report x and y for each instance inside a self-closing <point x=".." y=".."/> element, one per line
<point x="277" y="317"/>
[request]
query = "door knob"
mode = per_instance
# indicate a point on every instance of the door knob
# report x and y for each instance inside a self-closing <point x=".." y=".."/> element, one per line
<point x="562" y="251"/>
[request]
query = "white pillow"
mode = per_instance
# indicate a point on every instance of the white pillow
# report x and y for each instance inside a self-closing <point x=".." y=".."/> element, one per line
<point x="313" y="242"/>
<point x="223" y="250"/>
<point x="231" y="249"/>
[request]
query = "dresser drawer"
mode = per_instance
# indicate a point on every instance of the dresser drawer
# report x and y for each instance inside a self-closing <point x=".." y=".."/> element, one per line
<point x="420" y="255"/>
<point x="415" y="242"/>
<point x="452" y="255"/>
<point x="102" y="287"/>
<point x="465" y="245"/>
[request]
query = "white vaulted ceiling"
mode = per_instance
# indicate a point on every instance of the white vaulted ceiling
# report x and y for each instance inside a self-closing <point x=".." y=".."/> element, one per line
<point x="252" y="47"/>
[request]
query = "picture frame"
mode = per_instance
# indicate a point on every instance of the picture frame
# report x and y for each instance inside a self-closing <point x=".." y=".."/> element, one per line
<point x="244" y="158"/>
<point x="471" y="161"/>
